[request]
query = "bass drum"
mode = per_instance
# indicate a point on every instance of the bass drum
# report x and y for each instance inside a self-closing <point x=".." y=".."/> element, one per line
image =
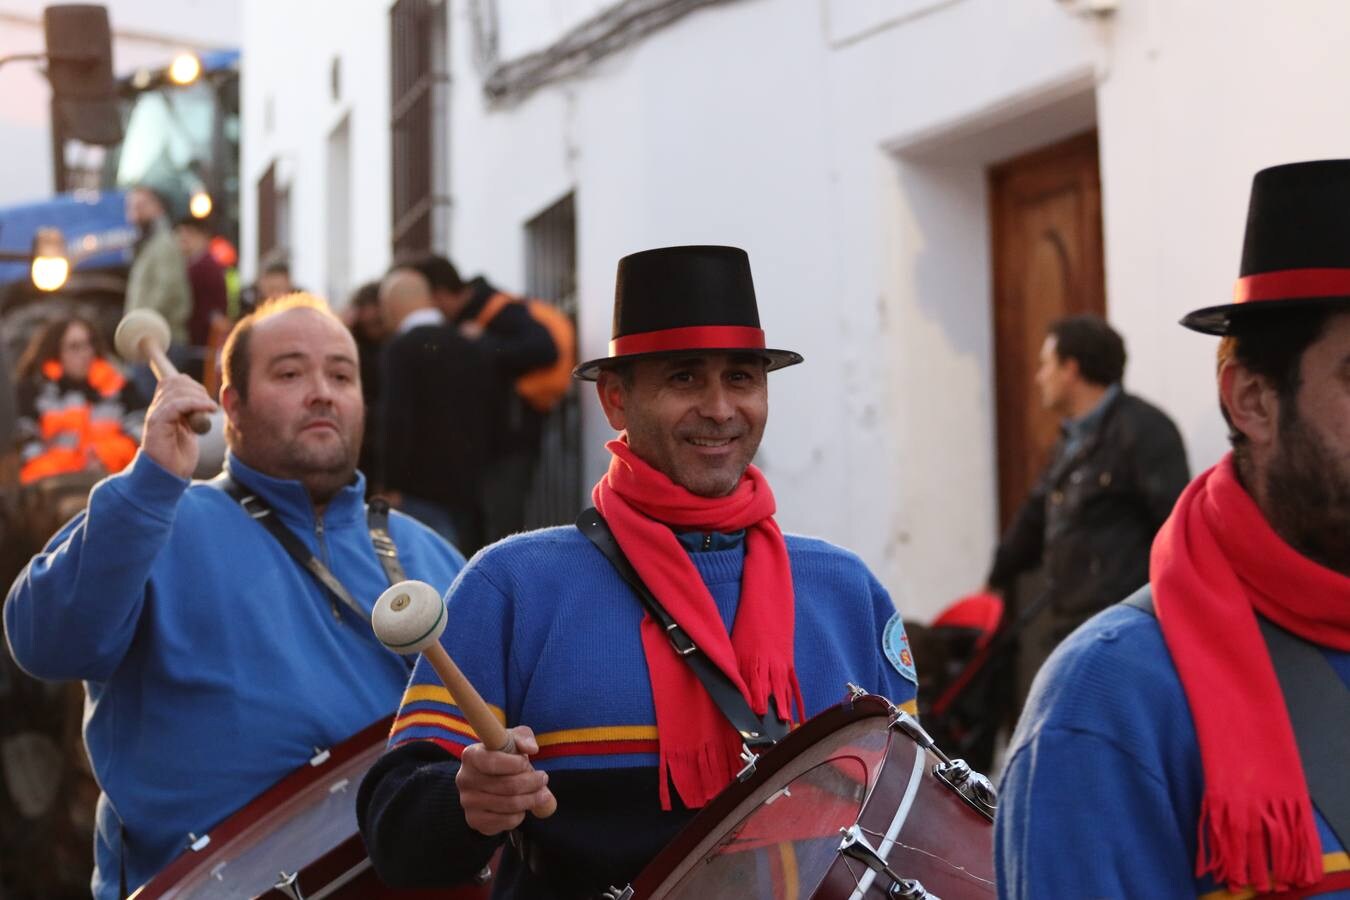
<point x="855" y="804"/>
<point x="297" y="840"/>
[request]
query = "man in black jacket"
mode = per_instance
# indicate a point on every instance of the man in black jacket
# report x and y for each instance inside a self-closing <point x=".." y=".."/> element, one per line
<point x="438" y="393"/>
<point x="1116" y="472"/>
<point x="515" y="344"/>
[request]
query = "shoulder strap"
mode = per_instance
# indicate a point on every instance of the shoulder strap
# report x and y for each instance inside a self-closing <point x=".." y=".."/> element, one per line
<point x="261" y="513"/>
<point x="1141" y="599"/>
<point x="493" y="306"/>
<point x="755" y="731"/>
<point x="1319" y="709"/>
<point x="377" y="522"/>
<point x="1318" y="702"/>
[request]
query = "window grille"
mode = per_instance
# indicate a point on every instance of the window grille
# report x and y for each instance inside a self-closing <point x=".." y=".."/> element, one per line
<point x="417" y="79"/>
<point x="556" y="493"/>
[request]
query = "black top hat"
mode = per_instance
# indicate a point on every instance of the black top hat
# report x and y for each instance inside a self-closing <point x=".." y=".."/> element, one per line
<point x="678" y="299"/>
<point x="1297" y="251"/>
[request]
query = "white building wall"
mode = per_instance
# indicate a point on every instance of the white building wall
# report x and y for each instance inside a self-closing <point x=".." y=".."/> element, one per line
<point x="845" y="145"/>
<point x="289" y="113"/>
<point x="146" y="33"/>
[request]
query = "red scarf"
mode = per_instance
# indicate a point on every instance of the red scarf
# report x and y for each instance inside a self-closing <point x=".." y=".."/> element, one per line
<point x="699" y="749"/>
<point x="1216" y="563"/>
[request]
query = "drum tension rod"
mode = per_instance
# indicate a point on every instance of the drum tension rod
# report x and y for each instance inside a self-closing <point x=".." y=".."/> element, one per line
<point x="977" y="790"/>
<point x="855" y="845"/>
<point x="751" y="759"/>
<point x="287" y="885"/>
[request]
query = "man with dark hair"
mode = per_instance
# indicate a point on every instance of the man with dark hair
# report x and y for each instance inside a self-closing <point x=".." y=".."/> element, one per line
<point x="1192" y="740"/>
<point x="214" y="660"/>
<point x="628" y="739"/>
<point x="1114" y="476"/>
<point x="275" y="280"/>
<point x="158" y="278"/>
<point x="206" y="277"/>
<point x="515" y="344"/>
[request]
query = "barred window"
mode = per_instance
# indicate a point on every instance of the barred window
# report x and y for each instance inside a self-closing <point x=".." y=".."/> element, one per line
<point x="418" y="77"/>
<point x="551" y="274"/>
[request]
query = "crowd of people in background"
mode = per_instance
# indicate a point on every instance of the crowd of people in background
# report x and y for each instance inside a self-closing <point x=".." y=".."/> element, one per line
<point x="449" y="438"/>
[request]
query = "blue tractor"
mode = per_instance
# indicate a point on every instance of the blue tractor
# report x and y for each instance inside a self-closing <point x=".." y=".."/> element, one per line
<point x="180" y="135"/>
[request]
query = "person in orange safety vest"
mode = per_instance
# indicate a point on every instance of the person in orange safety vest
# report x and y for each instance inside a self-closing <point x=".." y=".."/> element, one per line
<point x="77" y="411"/>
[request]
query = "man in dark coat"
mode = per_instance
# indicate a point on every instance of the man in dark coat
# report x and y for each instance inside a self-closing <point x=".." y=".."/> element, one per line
<point x="438" y="391"/>
<point x="1114" y="477"/>
<point x="515" y="344"/>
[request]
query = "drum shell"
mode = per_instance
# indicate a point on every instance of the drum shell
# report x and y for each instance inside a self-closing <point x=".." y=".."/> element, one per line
<point x="247" y="854"/>
<point x="940" y="839"/>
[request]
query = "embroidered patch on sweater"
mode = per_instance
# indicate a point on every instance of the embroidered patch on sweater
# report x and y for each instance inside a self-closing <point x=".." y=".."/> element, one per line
<point x="895" y="644"/>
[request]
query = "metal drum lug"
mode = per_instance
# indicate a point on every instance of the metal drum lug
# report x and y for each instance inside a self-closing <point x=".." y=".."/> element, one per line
<point x="854" y="845"/>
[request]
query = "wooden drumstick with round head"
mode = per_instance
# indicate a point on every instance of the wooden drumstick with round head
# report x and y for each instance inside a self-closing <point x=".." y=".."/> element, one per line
<point x="409" y="618"/>
<point x="143" y="336"/>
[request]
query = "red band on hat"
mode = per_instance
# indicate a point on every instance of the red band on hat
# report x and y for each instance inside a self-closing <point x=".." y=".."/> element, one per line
<point x="1292" y="284"/>
<point x="698" y="337"/>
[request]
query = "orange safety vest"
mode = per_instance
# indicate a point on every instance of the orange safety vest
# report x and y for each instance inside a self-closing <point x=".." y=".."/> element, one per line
<point x="542" y="388"/>
<point x="73" y="433"/>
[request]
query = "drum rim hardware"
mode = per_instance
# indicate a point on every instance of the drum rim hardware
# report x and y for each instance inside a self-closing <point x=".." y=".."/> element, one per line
<point x="854" y="845"/>
<point x="973" y="787"/>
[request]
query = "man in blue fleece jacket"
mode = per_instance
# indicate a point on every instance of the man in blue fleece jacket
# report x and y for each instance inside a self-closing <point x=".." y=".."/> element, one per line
<point x="214" y="664"/>
<point x="608" y="718"/>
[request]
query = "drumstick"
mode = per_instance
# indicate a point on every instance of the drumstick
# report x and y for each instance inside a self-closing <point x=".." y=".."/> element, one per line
<point x="142" y="336"/>
<point x="408" y="618"/>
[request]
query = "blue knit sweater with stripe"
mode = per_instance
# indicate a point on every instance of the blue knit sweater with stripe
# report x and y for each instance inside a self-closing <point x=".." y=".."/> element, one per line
<point x="1101" y="795"/>
<point x="214" y="664"/>
<point x="547" y="631"/>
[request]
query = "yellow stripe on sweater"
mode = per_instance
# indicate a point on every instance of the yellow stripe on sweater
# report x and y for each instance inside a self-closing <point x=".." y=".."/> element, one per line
<point x="602" y="733"/>
<point x="440" y="720"/>
<point x="434" y="693"/>
<point x="1331" y="864"/>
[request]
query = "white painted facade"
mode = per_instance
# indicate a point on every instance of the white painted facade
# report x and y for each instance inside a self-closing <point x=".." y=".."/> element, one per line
<point x="845" y="145"/>
<point x="146" y="33"/>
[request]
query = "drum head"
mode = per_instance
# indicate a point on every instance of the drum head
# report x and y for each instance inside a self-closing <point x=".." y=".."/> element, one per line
<point x="778" y="834"/>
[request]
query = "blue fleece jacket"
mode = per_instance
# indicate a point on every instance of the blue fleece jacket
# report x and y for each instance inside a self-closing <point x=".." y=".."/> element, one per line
<point x="214" y="665"/>
<point x="547" y="631"/>
<point x="1101" y="795"/>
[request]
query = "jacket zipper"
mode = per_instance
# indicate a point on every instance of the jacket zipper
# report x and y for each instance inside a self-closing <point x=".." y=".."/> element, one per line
<point x="323" y="556"/>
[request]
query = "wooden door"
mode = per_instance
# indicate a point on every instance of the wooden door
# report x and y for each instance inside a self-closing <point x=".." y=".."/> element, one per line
<point x="1047" y="253"/>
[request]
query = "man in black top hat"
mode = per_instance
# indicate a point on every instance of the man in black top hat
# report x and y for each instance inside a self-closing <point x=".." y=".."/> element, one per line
<point x="1192" y="741"/>
<point x="610" y="719"/>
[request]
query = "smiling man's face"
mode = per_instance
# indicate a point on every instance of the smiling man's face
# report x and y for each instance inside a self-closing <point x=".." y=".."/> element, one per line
<point x="698" y="419"/>
<point x="303" y="414"/>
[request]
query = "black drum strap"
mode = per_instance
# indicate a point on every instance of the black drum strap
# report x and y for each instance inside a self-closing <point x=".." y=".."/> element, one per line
<point x="1319" y="709"/>
<point x="377" y="521"/>
<point x="1318" y="702"/>
<point x="755" y="731"/>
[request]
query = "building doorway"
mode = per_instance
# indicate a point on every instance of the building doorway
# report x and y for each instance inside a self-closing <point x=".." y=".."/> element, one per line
<point x="1045" y="210"/>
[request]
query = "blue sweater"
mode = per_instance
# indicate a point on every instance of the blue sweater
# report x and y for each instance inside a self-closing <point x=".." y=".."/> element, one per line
<point x="214" y="664"/>
<point x="547" y="631"/>
<point x="1101" y="795"/>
